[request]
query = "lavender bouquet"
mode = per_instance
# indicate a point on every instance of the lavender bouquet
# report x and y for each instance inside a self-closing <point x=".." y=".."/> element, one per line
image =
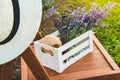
<point x="82" y="20"/>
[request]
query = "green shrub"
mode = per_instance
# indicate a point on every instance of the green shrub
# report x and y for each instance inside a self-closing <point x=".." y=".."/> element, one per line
<point x="110" y="36"/>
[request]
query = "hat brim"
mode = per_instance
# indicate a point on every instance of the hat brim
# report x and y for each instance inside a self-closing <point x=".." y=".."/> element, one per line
<point x="30" y="18"/>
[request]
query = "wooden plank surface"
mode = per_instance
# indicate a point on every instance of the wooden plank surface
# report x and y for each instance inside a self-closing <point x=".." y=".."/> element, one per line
<point x="34" y="65"/>
<point x="7" y="71"/>
<point x="92" y="62"/>
<point x="105" y="53"/>
<point x="97" y="65"/>
<point x="24" y="70"/>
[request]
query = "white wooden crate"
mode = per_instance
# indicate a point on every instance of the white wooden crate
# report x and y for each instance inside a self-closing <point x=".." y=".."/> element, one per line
<point x="81" y="46"/>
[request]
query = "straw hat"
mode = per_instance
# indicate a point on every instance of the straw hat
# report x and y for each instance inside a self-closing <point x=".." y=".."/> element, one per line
<point x="19" y="23"/>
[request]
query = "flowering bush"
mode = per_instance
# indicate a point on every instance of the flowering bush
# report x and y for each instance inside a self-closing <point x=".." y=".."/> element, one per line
<point x="82" y="20"/>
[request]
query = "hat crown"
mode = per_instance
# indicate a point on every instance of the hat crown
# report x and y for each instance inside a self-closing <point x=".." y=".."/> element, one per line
<point x="6" y="19"/>
<point x="19" y="23"/>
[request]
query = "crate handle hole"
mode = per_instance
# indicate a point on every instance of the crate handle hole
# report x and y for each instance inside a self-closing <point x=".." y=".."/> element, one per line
<point x="45" y="51"/>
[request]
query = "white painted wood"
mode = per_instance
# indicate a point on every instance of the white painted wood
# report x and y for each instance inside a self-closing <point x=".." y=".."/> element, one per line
<point x="73" y="60"/>
<point x="91" y="41"/>
<point x="74" y="41"/>
<point x="46" y="59"/>
<point x="56" y="62"/>
<point x="74" y="50"/>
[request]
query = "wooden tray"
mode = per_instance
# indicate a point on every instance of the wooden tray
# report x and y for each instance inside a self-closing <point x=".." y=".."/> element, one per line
<point x="97" y="65"/>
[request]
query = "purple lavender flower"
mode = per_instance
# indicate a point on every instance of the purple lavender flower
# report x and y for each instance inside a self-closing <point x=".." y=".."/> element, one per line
<point x="110" y="5"/>
<point x="86" y="19"/>
<point x="102" y="11"/>
<point x="79" y="17"/>
<point x="92" y="17"/>
<point x="47" y="16"/>
<point x="72" y="14"/>
<point x="47" y="2"/>
<point x="52" y="11"/>
<point x="96" y="14"/>
<point x="99" y="15"/>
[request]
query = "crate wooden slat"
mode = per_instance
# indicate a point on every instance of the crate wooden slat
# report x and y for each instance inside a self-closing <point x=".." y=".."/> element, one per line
<point x="97" y="65"/>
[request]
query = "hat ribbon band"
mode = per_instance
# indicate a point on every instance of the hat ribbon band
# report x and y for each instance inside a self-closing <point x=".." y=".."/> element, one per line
<point x="16" y="22"/>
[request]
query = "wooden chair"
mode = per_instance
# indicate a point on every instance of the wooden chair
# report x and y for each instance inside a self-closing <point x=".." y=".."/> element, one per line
<point x="30" y="59"/>
<point x="97" y="65"/>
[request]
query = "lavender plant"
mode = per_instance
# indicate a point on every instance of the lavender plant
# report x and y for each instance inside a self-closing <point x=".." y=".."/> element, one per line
<point x="46" y="4"/>
<point x="94" y="16"/>
<point x="82" y="20"/>
<point x="48" y="8"/>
